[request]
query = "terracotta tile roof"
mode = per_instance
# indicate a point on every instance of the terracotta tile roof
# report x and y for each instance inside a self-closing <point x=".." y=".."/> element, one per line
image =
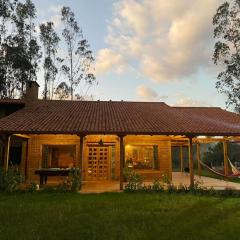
<point x="110" y="117"/>
<point x="11" y="101"/>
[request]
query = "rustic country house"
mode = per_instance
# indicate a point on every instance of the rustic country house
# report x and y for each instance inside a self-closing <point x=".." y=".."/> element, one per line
<point x="101" y="137"/>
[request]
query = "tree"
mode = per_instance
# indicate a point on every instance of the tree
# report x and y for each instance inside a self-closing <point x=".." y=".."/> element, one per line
<point x="214" y="155"/>
<point x="63" y="91"/>
<point x="50" y="41"/>
<point x="6" y="8"/>
<point x="226" y="23"/>
<point x="77" y="67"/>
<point x="19" y="48"/>
<point x="25" y="45"/>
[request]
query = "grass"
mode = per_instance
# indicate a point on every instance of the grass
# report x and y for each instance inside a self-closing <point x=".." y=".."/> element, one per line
<point x="118" y="216"/>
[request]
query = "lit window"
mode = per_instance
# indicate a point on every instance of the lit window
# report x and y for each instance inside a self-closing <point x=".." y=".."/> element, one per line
<point x="58" y="156"/>
<point x="141" y="157"/>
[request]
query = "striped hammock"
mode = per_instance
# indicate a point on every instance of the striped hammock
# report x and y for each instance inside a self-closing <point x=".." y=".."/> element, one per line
<point x="236" y="172"/>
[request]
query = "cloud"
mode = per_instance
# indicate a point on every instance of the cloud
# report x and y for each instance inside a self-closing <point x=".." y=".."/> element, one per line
<point x="148" y="94"/>
<point x="53" y="14"/>
<point x="185" y="101"/>
<point x="55" y="8"/>
<point x="166" y="40"/>
<point x="56" y="19"/>
<point x="107" y="60"/>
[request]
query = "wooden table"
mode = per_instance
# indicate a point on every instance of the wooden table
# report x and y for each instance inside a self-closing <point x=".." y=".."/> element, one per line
<point x="44" y="173"/>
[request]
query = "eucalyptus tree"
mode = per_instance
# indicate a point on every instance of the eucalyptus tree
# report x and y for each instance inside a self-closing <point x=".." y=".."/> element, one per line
<point x="226" y="23"/>
<point x="50" y="41"/>
<point x="78" y="64"/>
<point x="6" y="8"/>
<point x="18" y="46"/>
<point x="24" y="45"/>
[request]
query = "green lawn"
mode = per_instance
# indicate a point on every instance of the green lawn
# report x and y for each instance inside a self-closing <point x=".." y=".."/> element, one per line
<point x="118" y="216"/>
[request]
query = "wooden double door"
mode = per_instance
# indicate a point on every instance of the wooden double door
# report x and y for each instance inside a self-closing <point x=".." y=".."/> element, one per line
<point x="98" y="163"/>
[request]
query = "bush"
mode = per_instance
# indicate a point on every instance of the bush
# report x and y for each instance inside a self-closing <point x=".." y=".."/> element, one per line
<point x="72" y="183"/>
<point x="157" y="186"/>
<point x="32" y="187"/>
<point x="134" y="181"/>
<point x="10" y="180"/>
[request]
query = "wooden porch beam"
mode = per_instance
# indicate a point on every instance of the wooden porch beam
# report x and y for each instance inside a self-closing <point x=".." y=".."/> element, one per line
<point x="22" y="136"/>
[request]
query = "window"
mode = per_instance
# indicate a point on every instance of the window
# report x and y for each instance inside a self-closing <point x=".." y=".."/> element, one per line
<point x="141" y="156"/>
<point x="59" y="156"/>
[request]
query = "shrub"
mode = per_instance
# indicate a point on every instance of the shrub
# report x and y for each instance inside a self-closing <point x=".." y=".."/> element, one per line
<point x="134" y="182"/>
<point x="157" y="186"/>
<point x="166" y="179"/>
<point x="181" y="188"/>
<point x="32" y="187"/>
<point x="73" y="182"/>
<point x="10" y="179"/>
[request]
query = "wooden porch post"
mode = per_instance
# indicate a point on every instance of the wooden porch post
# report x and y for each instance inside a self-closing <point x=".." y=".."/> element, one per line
<point x="26" y="162"/>
<point x="81" y="155"/>
<point x="225" y="157"/>
<point x="181" y="158"/>
<point x="199" y="159"/>
<point x="23" y="158"/>
<point x="7" y="142"/>
<point x="122" y="159"/>
<point x="191" y="170"/>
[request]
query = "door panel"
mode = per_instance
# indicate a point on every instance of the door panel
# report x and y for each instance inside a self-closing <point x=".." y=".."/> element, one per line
<point x="98" y="163"/>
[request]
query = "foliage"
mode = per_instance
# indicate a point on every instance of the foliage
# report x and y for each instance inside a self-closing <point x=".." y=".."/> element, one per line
<point x="134" y="180"/>
<point x="33" y="187"/>
<point x="72" y="182"/>
<point x="166" y="179"/>
<point x="19" y="49"/>
<point x="10" y="180"/>
<point x="78" y="64"/>
<point x="157" y="186"/>
<point x="50" y="40"/>
<point x="63" y="91"/>
<point x="226" y="23"/>
<point x="20" y="53"/>
<point x="214" y="155"/>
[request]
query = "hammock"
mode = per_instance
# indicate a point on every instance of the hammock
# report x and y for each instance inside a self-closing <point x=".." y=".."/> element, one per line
<point x="236" y="172"/>
<point x="234" y="169"/>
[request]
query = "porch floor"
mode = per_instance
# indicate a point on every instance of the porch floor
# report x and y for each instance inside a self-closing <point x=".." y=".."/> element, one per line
<point x="183" y="178"/>
<point x="98" y="187"/>
<point x="177" y="178"/>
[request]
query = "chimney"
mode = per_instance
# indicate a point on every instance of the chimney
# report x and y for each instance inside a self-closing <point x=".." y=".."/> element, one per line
<point x="31" y="90"/>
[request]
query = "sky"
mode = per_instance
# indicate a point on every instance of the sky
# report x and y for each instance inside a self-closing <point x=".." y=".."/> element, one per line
<point x="147" y="50"/>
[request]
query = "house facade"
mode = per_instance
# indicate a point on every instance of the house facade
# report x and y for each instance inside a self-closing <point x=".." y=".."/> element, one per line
<point x="103" y="137"/>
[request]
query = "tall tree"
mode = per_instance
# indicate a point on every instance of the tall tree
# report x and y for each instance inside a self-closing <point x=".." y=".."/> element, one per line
<point x="50" y="40"/>
<point x="6" y="8"/>
<point x="25" y="45"/>
<point x="19" y="48"/>
<point x="77" y="67"/>
<point x="226" y="23"/>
